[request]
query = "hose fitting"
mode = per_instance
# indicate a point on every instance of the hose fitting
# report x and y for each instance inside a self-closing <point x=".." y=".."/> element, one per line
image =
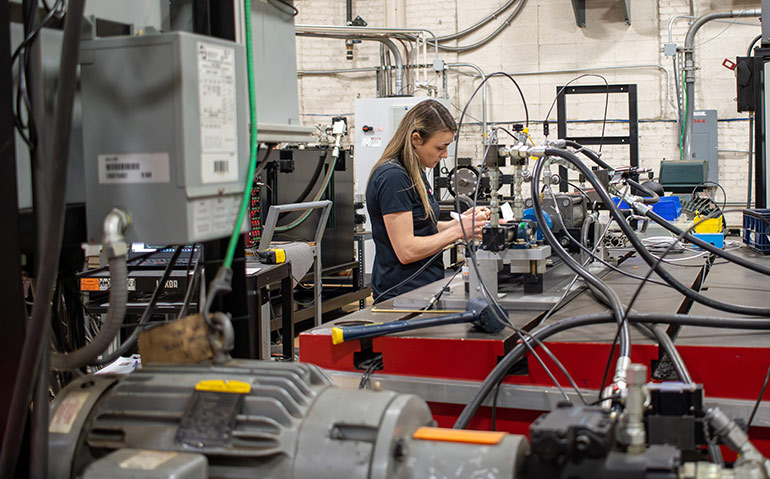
<point x="115" y="224"/>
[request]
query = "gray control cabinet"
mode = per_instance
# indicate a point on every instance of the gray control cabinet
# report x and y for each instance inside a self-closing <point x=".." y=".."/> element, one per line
<point x="705" y="140"/>
<point x="165" y="135"/>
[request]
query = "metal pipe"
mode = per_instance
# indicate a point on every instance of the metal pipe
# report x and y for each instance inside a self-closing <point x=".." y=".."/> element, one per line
<point x="348" y="12"/>
<point x="385" y="63"/>
<point x="481" y="23"/>
<point x="689" y="67"/>
<point x="337" y="71"/>
<point x="505" y="24"/>
<point x="692" y="17"/>
<point x="388" y="43"/>
<point x="365" y="31"/>
<point x="483" y="93"/>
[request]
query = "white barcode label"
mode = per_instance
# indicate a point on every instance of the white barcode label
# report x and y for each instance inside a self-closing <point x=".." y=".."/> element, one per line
<point x="134" y="168"/>
<point x="221" y="167"/>
<point x="218" y="113"/>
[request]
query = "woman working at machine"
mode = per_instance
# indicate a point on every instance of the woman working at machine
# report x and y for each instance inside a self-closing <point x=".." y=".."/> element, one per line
<point x="404" y="214"/>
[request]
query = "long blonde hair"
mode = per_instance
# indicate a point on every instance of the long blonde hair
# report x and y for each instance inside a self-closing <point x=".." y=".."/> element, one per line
<point x="426" y="118"/>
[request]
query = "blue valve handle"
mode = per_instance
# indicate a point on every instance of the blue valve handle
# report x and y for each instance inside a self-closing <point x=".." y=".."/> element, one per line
<point x="349" y="333"/>
<point x="476" y="312"/>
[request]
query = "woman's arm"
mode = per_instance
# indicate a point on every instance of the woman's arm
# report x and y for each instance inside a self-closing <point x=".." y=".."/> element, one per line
<point x="410" y="248"/>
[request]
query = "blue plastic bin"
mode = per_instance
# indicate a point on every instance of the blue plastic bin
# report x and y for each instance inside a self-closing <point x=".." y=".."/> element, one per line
<point x="669" y="207"/>
<point x="716" y="239"/>
<point x="755" y="230"/>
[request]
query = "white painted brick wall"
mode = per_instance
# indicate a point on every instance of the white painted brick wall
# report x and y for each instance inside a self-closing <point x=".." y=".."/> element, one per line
<point x="544" y="37"/>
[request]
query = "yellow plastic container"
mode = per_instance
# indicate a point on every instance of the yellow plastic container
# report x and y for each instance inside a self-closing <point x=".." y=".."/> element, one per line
<point x="711" y="225"/>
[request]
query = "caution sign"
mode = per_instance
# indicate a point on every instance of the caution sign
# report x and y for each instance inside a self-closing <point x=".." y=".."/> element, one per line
<point x="89" y="284"/>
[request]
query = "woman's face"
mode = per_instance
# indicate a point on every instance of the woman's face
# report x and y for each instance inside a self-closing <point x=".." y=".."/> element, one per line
<point x="431" y="151"/>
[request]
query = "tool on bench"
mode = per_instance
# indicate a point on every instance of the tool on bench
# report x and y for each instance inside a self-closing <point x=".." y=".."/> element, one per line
<point x="477" y="311"/>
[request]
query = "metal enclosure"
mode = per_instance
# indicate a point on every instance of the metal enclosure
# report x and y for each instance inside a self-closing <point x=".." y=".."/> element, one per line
<point x="50" y="43"/>
<point x="337" y="246"/>
<point x="165" y="135"/>
<point x="275" y="71"/>
<point x="705" y="140"/>
<point x="376" y="120"/>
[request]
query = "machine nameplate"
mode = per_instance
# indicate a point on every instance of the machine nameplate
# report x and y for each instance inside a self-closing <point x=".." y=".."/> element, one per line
<point x="218" y="113"/>
<point x="134" y="168"/>
<point x="147" y="460"/>
<point x="67" y="412"/>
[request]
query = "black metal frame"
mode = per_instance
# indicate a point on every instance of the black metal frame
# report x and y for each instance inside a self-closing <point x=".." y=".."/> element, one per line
<point x="12" y="321"/>
<point x="632" y="140"/>
<point x="761" y="57"/>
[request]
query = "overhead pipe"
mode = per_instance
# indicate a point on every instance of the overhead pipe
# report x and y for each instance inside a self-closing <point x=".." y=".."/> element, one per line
<point x="689" y="67"/>
<point x="526" y="73"/>
<point x="304" y="30"/>
<point x="386" y="41"/>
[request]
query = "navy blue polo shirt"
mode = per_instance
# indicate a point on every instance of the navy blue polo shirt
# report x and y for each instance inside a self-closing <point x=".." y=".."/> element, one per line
<point x="390" y="190"/>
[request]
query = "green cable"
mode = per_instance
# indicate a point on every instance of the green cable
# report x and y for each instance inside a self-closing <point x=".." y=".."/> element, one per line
<point x="684" y="120"/>
<point x="253" y="141"/>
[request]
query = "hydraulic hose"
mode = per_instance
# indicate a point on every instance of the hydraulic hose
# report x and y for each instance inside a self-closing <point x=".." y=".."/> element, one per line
<point x="643" y="252"/>
<point x="593" y="281"/>
<point x="324" y="185"/>
<point x="321" y="162"/>
<point x="667" y="344"/>
<point x="39" y="322"/>
<point x="515" y="355"/>
<point x="650" y="197"/>
<point x="589" y="153"/>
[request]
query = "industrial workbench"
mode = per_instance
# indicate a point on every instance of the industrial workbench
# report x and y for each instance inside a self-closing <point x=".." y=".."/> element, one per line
<point x="445" y="365"/>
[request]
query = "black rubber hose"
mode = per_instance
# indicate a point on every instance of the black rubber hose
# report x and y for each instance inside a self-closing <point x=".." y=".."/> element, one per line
<point x="110" y="327"/>
<point x="616" y="305"/>
<point x="650" y="196"/>
<point x="643" y="252"/>
<point x="668" y="346"/>
<point x="708" y="246"/>
<point x="589" y="154"/>
<point x="38" y="454"/>
<point x="309" y="188"/>
<point x="515" y="355"/>
<point x="146" y="315"/>
<point x="49" y="261"/>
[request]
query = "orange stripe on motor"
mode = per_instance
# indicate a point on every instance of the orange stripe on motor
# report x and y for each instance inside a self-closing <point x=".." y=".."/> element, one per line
<point x="459" y="435"/>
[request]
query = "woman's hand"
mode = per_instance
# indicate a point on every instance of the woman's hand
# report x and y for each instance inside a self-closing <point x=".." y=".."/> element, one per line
<point x="477" y="209"/>
<point x="472" y="224"/>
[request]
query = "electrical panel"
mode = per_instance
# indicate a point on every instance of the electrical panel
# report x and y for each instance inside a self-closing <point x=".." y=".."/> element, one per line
<point x="705" y="140"/>
<point x="165" y="135"/>
<point x="376" y="121"/>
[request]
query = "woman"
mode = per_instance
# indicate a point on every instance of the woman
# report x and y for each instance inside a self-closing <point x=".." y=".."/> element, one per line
<point x="402" y="208"/>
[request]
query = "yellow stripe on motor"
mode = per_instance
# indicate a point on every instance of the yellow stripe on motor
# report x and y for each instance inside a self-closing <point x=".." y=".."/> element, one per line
<point x="486" y="438"/>
<point x="223" y="386"/>
<point x="337" y="335"/>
